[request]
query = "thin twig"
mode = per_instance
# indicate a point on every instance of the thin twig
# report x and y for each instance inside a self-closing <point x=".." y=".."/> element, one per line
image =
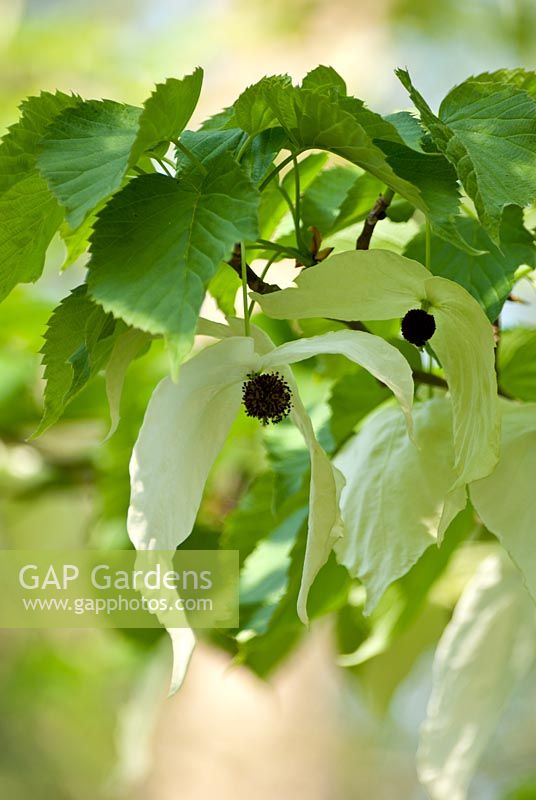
<point x="376" y="214"/>
<point x="429" y="379"/>
<point x="255" y="283"/>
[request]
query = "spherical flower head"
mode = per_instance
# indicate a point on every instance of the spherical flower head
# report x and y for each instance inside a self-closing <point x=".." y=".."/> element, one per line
<point x="418" y="326"/>
<point x="267" y="397"/>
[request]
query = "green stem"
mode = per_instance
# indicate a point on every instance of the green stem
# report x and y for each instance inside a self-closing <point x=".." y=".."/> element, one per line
<point x="244" y="147"/>
<point x="276" y="170"/>
<point x="162" y="164"/>
<point x="428" y="251"/>
<point x="243" y="266"/>
<point x="297" y="203"/>
<point x="294" y="213"/>
<point x="192" y="156"/>
<point x="430" y="372"/>
<point x="286" y="252"/>
<point x="169" y="163"/>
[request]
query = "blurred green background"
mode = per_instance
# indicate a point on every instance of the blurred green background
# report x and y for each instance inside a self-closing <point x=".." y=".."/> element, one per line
<point x="83" y="715"/>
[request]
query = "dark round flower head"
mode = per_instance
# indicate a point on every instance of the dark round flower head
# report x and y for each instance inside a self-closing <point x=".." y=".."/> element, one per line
<point x="418" y="326"/>
<point x="267" y="397"/>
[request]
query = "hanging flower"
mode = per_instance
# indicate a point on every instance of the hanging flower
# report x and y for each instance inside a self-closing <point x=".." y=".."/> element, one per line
<point x="378" y="285"/>
<point x="187" y="422"/>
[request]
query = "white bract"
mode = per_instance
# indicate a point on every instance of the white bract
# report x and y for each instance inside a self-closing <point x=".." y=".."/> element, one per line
<point x="186" y="424"/>
<point x="485" y="650"/>
<point x="379" y="285"/>
<point x="396" y="501"/>
<point x="504" y="500"/>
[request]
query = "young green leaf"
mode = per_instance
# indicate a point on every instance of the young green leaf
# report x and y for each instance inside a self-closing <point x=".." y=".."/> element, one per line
<point x="379" y="284"/>
<point x="252" y="112"/>
<point x="159" y="241"/>
<point x="85" y="154"/>
<point x="394" y="502"/>
<point x="486" y="649"/>
<point x="324" y="79"/>
<point x="166" y="113"/>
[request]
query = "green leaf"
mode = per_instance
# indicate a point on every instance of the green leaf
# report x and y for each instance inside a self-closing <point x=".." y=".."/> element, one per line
<point x="76" y="240"/>
<point x="313" y="120"/>
<point x="379" y="284"/>
<point x="260" y="153"/>
<point x="375" y="125"/>
<point x="29" y="213"/>
<point x="436" y="181"/>
<point x="325" y="196"/>
<point x="394" y="502"/>
<point x="517" y="363"/>
<point x="86" y="152"/>
<point x="403" y="602"/>
<point x="255" y="161"/>
<point x="128" y="345"/>
<point x="223" y="287"/>
<point x="159" y="241"/>
<point x="486" y="649"/>
<point x="488" y="132"/>
<point x="489" y="277"/>
<point x="358" y="201"/>
<point x="262" y="653"/>
<point x="504" y="499"/>
<point x="289" y="460"/>
<point x="252" y="112"/>
<point x="353" y="397"/>
<point x="78" y="341"/>
<point x="273" y="206"/>
<point x="264" y="575"/>
<point x="252" y="519"/>
<point x="20" y="145"/>
<point x="207" y="144"/>
<point x="324" y="79"/>
<point x="167" y="112"/>
<point x="29" y="218"/>
<point x="408" y="128"/>
<point x="345" y="127"/>
<point x="519" y="77"/>
<point x="431" y="173"/>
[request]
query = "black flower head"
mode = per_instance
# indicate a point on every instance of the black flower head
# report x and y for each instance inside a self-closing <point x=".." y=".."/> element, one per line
<point x="418" y="326"/>
<point x="267" y="397"/>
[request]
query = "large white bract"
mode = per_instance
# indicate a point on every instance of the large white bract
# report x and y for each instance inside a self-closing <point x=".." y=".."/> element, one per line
<point x="186" y="424"/>
<point x="380" y="285"/>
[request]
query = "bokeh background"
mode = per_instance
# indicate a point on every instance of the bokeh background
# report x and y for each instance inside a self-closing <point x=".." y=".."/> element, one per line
<point x="83" y="716"/>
